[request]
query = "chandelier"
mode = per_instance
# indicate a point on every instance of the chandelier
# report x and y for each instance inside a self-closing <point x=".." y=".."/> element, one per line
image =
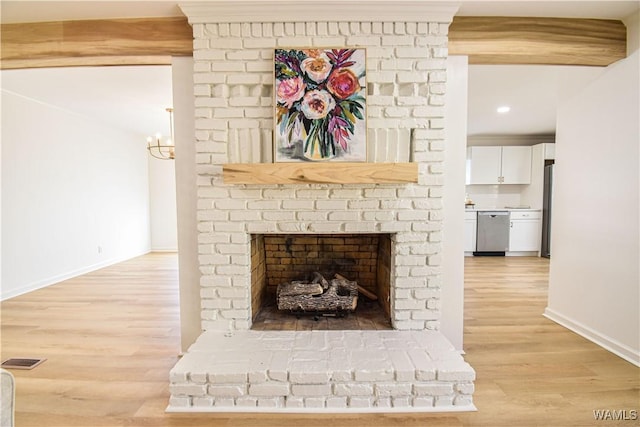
<point x="159" y="149"/>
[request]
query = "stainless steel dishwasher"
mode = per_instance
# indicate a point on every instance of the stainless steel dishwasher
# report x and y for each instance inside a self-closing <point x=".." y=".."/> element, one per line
<point x="492" y="233"/>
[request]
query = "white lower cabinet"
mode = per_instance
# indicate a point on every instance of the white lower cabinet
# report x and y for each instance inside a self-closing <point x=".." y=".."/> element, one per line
<point x="524" y="234"/>
<point x="470" y="223"/>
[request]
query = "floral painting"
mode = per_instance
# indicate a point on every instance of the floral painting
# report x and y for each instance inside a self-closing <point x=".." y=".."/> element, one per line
<point x="320" y="105"/>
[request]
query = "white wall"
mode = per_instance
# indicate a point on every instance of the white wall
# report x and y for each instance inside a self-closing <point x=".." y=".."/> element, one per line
<point x="594" y="273"/>
<point x="186" y="181"/>
<point x="162" y="204"/>
<point x="451" y="323"/>
<point x="633" y="32"/>
<point x="74" y="195"/>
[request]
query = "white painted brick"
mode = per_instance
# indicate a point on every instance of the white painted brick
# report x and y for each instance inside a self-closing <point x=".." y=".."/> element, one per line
<point x="330" y="227"/>
<point x="227" y="390"/>
<point x="188" y="389"/>
<point x="216" y="303"/>
<point x="463" y="400"/>
<point x="425" y="315"/>
<point x="311" y="216"/>
<point x="269" y="389"/>
<point x="410" y="282"/>
<point x="354" y="389"/>
<point x="465" y="388"/>
<point x="240" y="303"/>
<point x="398" y="40"/>
<point x="293" y="227"/>
<point x="314" y="402"/>
<point x="363" y="40"/>
<point x="341" y="374"/>
<point x="247" y="402"/>
<point x="311" y="389"/>
<point x="443" y="401"/>
<point x="180" y="402"/>
<point x="176" y="376"/>
<point x="198" y="377"/>
<point x="258" y="376"/>
<point x="413" y="325"/>
<point x="380" y="193"/>
<point x="378" y="216"/>
<point x="298" y="204"/>
<point x="401" y="402"/>
<point x="409" y="304"/>
<point x="411" y="260"/>
<point x="393" y="389"/>
<point x="273" y="402"/>
<point x="360" y="402"/>
<point x="294" y="402"/>
<point x="423" y="401"/>
<point x="383" y="402"/>
<point x="203" y="402"/>
<point x="264" y="227"/>
<point x="344" y="216"/>
<point x="336" y="402"/>
<point x="426" y="293"/>
<point x="373" y="373"/>
<point x="432" y="389"/>
<point x="309" y="377"/>
<point x="328" y="41"/>
<point x="455" y="371"/>
<point x="234" y="314"/>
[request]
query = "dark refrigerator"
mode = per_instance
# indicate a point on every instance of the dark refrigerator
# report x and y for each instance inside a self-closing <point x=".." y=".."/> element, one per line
<point x="545" y="250"/>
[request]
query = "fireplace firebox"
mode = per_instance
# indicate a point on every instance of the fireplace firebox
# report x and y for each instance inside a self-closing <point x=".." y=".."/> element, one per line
<point x="284" y="258"/>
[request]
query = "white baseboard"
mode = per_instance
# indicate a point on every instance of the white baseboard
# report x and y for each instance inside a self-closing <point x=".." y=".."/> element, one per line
<point x="371" y="410"/>
<point x="615" y="347"/>
<point x="65" y="276"/>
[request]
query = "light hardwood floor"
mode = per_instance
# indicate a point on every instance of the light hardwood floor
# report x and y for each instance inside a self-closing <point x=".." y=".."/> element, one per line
<point x="111" y="337"/>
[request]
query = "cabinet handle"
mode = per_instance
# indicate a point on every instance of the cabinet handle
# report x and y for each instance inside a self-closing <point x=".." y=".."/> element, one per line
<point x="511" y="224"/>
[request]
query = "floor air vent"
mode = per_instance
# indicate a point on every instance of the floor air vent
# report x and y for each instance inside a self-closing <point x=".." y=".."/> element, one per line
<point x="21" y="363"/>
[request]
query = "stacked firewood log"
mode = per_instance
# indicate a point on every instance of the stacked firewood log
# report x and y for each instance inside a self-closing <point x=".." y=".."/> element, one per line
<point x="318" y="295"/>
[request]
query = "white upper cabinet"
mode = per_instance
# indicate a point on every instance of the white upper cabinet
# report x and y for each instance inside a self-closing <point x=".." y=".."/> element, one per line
<point x="499" y="165"/>
<point x="516" y="165"/>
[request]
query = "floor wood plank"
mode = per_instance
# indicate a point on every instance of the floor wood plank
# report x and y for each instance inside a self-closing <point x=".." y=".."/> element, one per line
<point x="111" y="337"/>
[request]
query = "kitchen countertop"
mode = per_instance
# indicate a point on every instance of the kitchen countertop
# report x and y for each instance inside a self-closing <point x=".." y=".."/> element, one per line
<point x="502" y="209"/>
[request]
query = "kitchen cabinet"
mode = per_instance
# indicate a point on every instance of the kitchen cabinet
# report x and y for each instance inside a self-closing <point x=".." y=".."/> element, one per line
<point x="524" y="232"/>
<point x="499" y="165"/>
<point x="470" y="223"/>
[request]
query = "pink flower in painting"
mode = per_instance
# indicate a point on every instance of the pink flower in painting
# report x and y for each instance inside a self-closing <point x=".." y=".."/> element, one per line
<point x="316" y="104"/>
<point x="343" y="83"/>
<point x="317" y="68"/>
<point x="290" y="90"/>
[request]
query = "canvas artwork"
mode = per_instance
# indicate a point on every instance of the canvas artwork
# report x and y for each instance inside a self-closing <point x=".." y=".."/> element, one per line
<point x="320" y="105"/>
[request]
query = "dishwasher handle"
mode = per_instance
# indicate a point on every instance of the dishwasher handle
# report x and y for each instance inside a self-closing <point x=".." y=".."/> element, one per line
<point x="494" y="214"/>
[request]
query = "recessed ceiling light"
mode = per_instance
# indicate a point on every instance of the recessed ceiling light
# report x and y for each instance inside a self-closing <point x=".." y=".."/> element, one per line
<point x="503" y="109"/>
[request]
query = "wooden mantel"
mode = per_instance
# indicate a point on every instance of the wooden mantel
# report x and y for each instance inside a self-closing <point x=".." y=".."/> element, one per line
<point x="320" y="173"/>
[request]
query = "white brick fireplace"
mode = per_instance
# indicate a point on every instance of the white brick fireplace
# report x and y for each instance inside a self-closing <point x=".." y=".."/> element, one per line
<point x="231" y="367"/>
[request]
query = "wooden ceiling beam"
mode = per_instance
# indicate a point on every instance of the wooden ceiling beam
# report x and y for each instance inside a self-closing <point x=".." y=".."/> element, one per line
<point x="95" y="42"/>
<point x="557" y="41"/>
<point x="152" y="41"/>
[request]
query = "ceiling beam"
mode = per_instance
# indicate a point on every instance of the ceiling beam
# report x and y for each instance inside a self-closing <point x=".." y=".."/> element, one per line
<point x="557" y="41"/>
<point x="152" y="41"/>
